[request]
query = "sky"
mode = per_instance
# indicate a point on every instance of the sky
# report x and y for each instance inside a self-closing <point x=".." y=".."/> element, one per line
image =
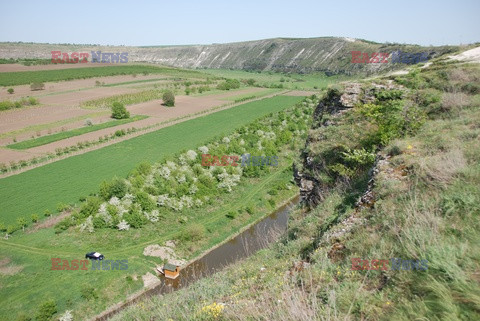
<point x="137" y="23"/>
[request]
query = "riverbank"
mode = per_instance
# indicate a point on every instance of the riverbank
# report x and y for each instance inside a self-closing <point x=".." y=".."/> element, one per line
<point x="150" y="290"/>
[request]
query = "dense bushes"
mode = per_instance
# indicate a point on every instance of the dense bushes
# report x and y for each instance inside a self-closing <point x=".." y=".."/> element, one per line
<point x="229" y="84"/>
<point x="119" y="111"/>
<point x="168" y="98"/>
<point x="7" y="104"/>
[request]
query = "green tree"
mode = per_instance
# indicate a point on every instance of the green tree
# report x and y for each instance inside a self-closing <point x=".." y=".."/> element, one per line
<point x="10" y="90"/>
<point x="22" y="222"/>
<point x="34" y="218"/>
<point x="119" y="111"/>
<point x="169" y="98"/>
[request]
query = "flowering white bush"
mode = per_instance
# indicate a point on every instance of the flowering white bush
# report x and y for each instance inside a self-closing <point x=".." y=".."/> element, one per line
<point x="270" y="135"/>
<point x="242" y="142"/>
<point x="198" y="202"/>
<point x="227" y="181"/>
<point x="164" y="172"/>
<point x="153" y="216"/>
<point x="171" y="165"/>
<point x="123" y="226"/>
<point x="181" y="179"/>
<point x="193" y="189"/>
<point x="67" y="316"/>
<point x="260" y="133"/>
<point x="182" y="159"/>
<point x="186" y="201"/>
<point x="115" y="201"/>
<point x="103" y="209"/>
<point x="259" y="145"/>
<point x="149" y="180"/>
<point x="175" y="204"/>
<point x="203" y="149"/>
<point x="104" y="215"/>
<point x="191" y="155"/>
<point x="87" y="225"/>
<point x="226" y="140"/>
<point x="162" y="200"/>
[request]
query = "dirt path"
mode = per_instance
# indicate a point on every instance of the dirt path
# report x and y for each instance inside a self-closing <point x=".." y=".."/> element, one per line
<point x="154" y="127"/>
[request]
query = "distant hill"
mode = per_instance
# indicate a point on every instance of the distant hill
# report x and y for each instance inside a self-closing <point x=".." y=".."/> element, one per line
<point x="331" y="55"/>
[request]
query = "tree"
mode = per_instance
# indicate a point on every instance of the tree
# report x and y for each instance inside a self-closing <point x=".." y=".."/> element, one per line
<point x="22" y="222"/>
<point x="10" y="90"/>
<point x="119" y="111"/>
<point x="168" y="98"/>
<point x="35" y="218"/>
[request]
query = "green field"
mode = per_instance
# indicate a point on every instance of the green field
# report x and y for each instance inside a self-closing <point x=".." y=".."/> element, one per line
<point x="28" y="77"/>
<point x="26" y="144"/>
<point x="67" y="180"/>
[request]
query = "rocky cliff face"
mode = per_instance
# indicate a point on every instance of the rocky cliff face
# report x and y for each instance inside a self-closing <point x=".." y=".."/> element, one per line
<point x="328" y="54"/>
<point x="309" y="174"/>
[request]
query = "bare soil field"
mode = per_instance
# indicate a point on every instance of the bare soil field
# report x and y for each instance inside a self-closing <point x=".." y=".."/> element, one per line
<point x="15" y="119"/>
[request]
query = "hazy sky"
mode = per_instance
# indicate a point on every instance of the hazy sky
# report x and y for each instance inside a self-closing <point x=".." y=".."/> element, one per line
<point x="206" y="21"/>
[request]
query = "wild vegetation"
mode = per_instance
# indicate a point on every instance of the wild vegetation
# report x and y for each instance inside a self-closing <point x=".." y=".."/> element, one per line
<point x="8" y="104"/>
<point x="422" y="204"/>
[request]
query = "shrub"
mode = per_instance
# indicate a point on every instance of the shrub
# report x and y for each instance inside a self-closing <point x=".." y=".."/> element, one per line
<point x="117" y="187"/>
<point x="169" y="98"/>
<point x="32" y="101"/>
<point x="34" y="218"/>
<point x="88" y="292"/>
<point x="37" y="86"/>
<point x="135" y="218"/>
<point x="229" y="84"/>
<point x="120" y="132"/>
<point x="46" y="310"/>
<point x="119" y="111"/>
<point x="145" y="201"/>
<point x="63" y="225"/>
<point x="88" y="122"/>
<point x="10" y="91"/>
<point x="193" y="232"/>
<point x="231" y="214"/>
